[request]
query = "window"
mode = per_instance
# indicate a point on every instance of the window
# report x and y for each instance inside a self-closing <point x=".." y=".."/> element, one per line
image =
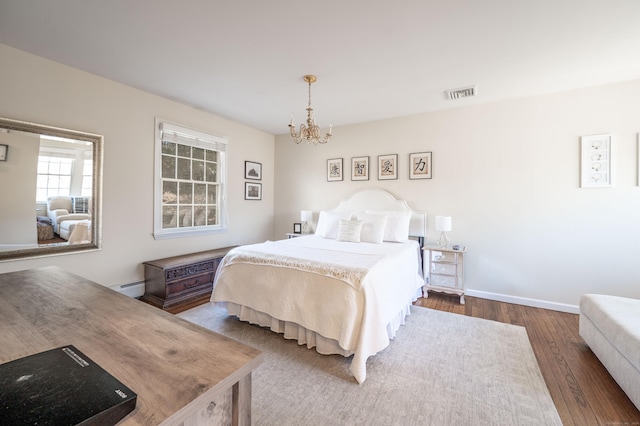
<point x="87" y="173"/>
<point x="54" y="175"/>
<point x="65" y="167"/>
<point x="190" y="182"/>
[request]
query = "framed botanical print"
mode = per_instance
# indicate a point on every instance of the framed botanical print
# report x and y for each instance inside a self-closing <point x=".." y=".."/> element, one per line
<point x="252" y="170"/>
<point x="387" y="166"/>
<point x="420" y="165"/>
<point x="3" y="152"/>
<point x="360" y="168"/>
<point x="596" y="168"/>
<point x="334" y="169"/>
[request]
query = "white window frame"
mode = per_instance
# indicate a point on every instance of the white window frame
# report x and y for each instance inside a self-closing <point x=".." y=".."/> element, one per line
<point x="194" y="138"/>
<point x="78" y="152"/>
<point x="58" y="189"/>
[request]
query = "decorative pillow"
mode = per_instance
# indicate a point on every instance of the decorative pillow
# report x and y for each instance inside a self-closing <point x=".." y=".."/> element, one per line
<point x="397" y="226"/>
<point x="349" y="230"/>
<point x="79" y="205"/>
<point x="373" y="226"/>
<point x="328" y="223"/>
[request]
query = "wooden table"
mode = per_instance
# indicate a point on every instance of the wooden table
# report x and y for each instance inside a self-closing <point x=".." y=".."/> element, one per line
<point x="182" y="373"/>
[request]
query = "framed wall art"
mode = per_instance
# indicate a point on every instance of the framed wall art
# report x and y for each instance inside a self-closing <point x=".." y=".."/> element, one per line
<point x="360" y="168"/>
<point x="252" y="191"/>
<point x="334" y="169"/>
<point x="4" y="149"/>
<point x="420" y="165"/>
<point x="388" y="166"/>
<point x="596" y="169"/>
<point x="252" y="170"/>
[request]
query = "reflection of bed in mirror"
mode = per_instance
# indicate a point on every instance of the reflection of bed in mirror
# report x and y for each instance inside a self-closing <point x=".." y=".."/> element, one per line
<point x="38" y="153"/>
<point x="345" y="290"/>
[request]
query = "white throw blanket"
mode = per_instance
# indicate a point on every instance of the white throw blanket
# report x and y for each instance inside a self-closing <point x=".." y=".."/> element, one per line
<point x="348" y="292"/>
<point x="348" y="266"/>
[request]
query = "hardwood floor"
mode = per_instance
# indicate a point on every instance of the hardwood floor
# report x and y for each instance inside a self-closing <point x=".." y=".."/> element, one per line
<point x="582" y="389"/>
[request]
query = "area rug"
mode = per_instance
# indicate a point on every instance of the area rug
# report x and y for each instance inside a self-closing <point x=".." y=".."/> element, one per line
<point x="441" y="369"/>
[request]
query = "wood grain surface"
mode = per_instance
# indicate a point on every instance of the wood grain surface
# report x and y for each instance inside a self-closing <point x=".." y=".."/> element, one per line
<point x="177" y="368"/>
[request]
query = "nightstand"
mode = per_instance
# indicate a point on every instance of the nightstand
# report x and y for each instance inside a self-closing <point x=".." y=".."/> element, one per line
<point x="293" y="235"/>
<point x="443" y="271"/>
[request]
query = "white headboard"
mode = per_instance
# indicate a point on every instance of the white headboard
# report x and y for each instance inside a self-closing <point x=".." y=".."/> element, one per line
<point x="378" y="199"/>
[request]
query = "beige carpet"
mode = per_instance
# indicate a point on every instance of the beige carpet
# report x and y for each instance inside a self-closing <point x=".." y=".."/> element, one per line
<point x="441" y="369"/>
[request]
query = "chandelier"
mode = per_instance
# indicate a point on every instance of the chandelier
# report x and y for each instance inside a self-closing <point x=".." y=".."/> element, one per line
<point x="309" y="132"/>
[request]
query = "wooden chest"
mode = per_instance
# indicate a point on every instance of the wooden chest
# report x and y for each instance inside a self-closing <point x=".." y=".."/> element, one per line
<point x="181" y="282"/>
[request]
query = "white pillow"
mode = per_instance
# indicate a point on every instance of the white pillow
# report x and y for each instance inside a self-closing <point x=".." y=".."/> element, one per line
<point x="328" y="223"/>
<point x="373" y="226"/>
<point x="397" y="226"/>
<point x="349" y="230"/>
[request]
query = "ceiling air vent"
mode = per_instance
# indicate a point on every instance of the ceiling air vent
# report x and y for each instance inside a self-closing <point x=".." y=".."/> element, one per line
<point x="463" y="92"/>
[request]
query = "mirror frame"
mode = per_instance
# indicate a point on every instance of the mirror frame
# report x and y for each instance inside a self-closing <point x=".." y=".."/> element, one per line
<point x="96" y="199"/>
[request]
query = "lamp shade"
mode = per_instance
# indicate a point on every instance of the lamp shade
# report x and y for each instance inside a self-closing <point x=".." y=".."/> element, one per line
<point x="306" y="215"/>
<point x="443" y="223"/>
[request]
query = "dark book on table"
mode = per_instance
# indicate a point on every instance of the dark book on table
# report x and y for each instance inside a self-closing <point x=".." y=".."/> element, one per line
<point x="61" y="386"/>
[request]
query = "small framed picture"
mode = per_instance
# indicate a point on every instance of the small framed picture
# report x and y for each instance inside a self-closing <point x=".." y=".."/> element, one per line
<point x="334" y="169"/>
<point x="420" y="165"/>
<point x="388" y="166"/>
<point x="252" y="170"/>
<point x="596" y="167"/>
<point x="297" y="228"/>
<point x="360" y="168"/>
<point x="252" y="191"/>
<point x="4" y="150"/>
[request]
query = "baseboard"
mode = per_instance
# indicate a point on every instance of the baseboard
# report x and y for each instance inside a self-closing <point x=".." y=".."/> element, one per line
<point x="535" y="303"/>
<point x="133" y="290"/>
<point x="136" y="290"/>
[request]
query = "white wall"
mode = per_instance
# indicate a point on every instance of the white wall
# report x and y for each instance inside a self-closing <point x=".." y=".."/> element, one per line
<point x="37" y="90"/>
<point x="508" y="174"/>
<point x="17" y="223"/>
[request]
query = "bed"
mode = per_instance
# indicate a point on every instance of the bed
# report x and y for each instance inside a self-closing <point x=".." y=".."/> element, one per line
<point x="344" y="290"/>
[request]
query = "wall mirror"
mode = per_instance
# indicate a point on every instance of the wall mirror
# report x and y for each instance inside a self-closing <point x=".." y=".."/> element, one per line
<point x="51" y="189"/>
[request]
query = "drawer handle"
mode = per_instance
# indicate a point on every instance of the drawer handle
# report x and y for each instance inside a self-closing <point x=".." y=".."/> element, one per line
<point x="192" y="284"/>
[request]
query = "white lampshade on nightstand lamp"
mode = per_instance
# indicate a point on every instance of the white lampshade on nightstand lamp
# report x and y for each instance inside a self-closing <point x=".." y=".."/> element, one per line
<point x="306" y="216"/>
<point x="443" y="224"/>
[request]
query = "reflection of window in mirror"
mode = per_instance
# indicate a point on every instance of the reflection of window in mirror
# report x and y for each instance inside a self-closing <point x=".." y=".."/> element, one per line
<point x="189" y="180"/>
<point x="64" y="168"/>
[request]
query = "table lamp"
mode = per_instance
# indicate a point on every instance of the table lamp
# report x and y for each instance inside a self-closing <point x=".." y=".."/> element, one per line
<point x="443" y="224"/>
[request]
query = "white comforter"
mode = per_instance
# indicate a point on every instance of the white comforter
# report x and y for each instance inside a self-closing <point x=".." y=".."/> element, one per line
<point x="348" y="292"/>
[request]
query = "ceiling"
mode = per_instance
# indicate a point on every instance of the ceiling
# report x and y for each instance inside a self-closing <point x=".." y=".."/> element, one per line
<point x="375" y="59"/>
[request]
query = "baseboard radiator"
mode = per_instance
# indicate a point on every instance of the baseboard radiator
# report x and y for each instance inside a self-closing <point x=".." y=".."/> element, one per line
<point x="133" y="290"/>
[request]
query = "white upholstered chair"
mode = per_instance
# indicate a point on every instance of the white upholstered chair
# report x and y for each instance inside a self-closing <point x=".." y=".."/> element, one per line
<point x="61" y="208"/>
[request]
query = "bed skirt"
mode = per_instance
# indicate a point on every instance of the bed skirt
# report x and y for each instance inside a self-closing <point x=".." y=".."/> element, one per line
<point x="323" y="345"/>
